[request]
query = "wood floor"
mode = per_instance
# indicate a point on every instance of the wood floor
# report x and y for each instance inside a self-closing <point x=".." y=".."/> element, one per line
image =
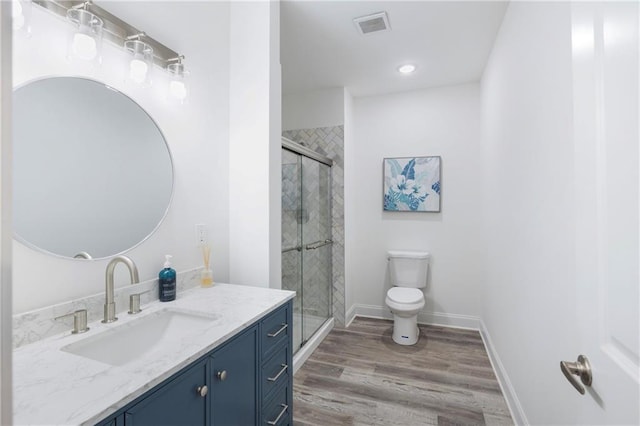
<point x="359" y="376"/>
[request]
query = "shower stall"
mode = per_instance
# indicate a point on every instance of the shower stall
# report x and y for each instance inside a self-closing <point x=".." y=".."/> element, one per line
<point x="306" y="238"/>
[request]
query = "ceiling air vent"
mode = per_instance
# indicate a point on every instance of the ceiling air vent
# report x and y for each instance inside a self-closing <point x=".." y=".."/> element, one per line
<point x="372" y="23"/>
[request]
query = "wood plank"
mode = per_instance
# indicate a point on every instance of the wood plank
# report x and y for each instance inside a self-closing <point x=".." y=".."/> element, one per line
<point x="359" y="376"/>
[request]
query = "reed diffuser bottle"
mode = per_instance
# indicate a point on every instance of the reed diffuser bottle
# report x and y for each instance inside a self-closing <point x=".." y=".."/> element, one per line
<point x="206" y="276"/>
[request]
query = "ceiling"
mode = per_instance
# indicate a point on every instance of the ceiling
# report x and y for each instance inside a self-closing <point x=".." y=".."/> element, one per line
<point x="449" y="42"/>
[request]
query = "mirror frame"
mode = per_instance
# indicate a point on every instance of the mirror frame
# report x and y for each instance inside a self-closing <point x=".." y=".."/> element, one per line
<point x="21" y="240"/>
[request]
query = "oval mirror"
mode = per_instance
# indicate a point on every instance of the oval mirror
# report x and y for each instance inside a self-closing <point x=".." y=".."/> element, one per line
<point x="92" y="171"/>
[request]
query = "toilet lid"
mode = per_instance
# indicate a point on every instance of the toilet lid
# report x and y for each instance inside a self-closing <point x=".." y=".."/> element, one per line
<point x="404" y="295"/>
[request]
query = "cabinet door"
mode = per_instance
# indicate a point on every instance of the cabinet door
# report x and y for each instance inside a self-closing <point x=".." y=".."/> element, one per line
<point x="178" y="402"/>
<point x="114" y="421"/>
<point x="234" y="378"/>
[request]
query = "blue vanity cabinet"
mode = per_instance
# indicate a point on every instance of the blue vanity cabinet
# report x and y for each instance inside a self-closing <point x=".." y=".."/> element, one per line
<point x="113" y="421"/>
<point x="245" y="381"/>
<point x="234" y="388"/>
<point x="180" y="401"/>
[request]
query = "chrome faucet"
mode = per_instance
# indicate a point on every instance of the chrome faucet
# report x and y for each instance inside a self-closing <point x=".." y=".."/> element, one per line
<point x="109" y="303"/>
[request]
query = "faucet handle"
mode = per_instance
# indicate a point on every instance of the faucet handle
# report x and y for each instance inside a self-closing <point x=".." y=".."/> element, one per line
<point x="134" y="302"/>
<point x="79" y="320"/>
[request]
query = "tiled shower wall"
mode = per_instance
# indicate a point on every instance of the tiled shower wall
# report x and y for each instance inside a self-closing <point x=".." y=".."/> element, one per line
<point x="329" y="141"/>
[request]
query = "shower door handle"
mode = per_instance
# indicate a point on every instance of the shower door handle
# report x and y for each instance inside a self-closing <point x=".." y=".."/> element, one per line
<point x="298" y="248"/>
<point x="318" y="244"/>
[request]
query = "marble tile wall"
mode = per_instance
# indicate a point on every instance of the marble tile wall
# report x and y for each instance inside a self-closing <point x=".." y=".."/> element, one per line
<point x="328" y="141"/>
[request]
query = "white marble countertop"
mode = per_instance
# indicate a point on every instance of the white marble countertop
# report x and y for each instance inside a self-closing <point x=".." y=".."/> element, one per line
<point x="55" y="387"/>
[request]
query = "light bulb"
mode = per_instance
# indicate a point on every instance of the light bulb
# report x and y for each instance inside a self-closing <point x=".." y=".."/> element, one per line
<point x="407" y="69"/>
<point x="178" y="89"/>
<point x="138" y="71"/>
<point x="84" y="46"/>
<point x="18" y="17"/>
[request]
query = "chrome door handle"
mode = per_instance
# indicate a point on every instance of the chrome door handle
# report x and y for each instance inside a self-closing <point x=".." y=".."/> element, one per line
<point x="581" y="368"/>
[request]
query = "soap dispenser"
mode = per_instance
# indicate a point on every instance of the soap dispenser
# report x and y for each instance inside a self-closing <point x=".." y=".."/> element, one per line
<point x="167" y="281"/>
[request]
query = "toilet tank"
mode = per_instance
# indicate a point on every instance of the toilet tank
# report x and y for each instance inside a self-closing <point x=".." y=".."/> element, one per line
<point x="408" y="268"/>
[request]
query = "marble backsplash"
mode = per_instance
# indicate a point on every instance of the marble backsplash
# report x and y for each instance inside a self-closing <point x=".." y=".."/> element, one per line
<point x="29" y="327"/>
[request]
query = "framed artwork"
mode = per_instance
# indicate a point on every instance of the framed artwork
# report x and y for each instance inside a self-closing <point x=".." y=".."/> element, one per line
<point x="411" y="184"/>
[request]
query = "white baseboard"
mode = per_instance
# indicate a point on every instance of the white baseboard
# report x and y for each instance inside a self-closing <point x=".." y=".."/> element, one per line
<point x="351" y="314"/>
<point x="517" y="413"/>
<point x="305" y="352"/>
<point x="458" y="321"/>
<point x="434" y="318"/>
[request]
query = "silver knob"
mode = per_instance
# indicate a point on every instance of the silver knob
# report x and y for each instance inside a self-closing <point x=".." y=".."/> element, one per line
<point x="222" y="375"/>
<point x="202" y="390"/>
<point x="580" y="368"/>
<point x="79" y="320"/>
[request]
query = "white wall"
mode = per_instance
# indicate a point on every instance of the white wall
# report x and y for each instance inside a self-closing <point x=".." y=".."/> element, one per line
<point x="527" y="147"/>
<point x="254" y="144"/>
<point x="197" y="134"/>
<point x="349" y="147"/>
<point x="444" y="122"/>
<point x="309" y="110"/>
<point x="6" y="350"/>
<point x="275" y="150"/>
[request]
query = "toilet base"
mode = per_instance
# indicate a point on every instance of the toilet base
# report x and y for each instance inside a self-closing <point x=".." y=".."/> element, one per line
<point x="405" y="330"/>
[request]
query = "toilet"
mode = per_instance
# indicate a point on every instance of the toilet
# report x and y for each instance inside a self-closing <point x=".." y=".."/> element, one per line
<point x="408" y="272"/>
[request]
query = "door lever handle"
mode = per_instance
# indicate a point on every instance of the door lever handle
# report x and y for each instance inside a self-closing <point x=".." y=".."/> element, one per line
<point x="580" y="368"/>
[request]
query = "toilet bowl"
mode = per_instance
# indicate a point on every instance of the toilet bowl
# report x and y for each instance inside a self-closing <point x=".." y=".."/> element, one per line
<point x="408" y="272"/>
<point x="405" y="303"/>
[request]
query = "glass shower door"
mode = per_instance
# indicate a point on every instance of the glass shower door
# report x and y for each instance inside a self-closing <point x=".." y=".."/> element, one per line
<point x="292" y="236"/>
<point x="316" y="246"/>
<point x="306" y="242"/>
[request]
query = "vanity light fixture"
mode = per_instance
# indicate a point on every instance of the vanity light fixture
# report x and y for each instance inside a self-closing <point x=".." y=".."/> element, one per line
<point x="177" y="75"/>
<point x="85" y="39"/>
<point x="91" y="23"/>
<point x="141" y="61"/>
<point x="406" y="69"/>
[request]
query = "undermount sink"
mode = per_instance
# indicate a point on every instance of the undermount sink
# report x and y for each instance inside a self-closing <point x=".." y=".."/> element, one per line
<point x="132" y="340"/>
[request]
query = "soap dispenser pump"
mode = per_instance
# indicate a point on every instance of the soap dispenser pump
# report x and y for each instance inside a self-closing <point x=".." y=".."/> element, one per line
<point x="167" y="281"/>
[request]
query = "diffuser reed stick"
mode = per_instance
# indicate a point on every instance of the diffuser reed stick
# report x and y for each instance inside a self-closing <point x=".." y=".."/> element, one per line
<point x="206" y="276"/>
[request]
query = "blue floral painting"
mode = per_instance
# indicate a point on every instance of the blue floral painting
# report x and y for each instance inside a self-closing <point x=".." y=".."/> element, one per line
<point x="412" y="184"/>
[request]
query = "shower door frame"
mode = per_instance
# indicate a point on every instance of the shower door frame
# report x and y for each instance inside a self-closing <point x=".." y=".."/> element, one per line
<point x="296" y="148"/>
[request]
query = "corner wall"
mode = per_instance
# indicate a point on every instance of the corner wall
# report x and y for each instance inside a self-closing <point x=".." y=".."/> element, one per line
<point x="442" y="121"/>
<point x="310" y="110"/>
<point x="254" y="144"/>
<point x="528" y="258"/>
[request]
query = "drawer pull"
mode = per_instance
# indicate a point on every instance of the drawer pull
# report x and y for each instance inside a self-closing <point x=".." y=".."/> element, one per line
<point x="283" y="328"/>
<point x="285" y="407"/>
<point x="222" y="375"/>
<point x="284" y="368"/>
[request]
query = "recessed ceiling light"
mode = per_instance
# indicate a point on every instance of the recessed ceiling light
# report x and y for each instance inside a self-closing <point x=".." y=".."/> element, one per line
<point x="406" y="69"/>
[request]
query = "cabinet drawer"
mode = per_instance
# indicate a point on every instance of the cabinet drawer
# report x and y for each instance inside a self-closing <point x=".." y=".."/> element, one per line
<point x="276" y="371"/>
<point x="277" y="411"/>
<point x="276" y="331"/>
